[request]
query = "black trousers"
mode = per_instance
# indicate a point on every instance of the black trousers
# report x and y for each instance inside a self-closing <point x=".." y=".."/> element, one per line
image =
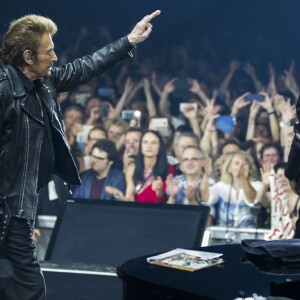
<point x="20" y="273"/>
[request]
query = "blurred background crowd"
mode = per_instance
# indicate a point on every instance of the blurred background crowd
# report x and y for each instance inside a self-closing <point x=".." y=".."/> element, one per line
<point x="202" y="114"/>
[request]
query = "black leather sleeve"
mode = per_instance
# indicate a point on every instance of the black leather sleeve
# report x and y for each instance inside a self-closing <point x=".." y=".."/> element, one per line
<point x="83" y="69"/>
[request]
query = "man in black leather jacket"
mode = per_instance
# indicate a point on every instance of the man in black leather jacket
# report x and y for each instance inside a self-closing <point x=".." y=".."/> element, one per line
<point x="32" y="141"/>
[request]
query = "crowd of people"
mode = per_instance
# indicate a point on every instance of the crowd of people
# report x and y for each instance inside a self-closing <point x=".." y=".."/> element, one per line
<point x="181" y="127"/>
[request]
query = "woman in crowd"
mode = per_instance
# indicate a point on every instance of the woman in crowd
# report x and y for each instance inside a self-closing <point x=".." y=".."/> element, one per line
<point x="238" y="193"/>
<point x="146" y="177"/>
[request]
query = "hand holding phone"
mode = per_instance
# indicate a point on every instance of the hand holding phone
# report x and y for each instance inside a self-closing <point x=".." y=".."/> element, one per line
<point x="131" y="114"/>
<point x="186" y="107"/>
<point x="104" y="109"/>
<point x="255" y="97"/>
<point x="161" y="125"/>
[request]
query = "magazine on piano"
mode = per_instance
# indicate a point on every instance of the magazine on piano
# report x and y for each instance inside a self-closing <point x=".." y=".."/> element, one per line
<point x="188" y="260"/>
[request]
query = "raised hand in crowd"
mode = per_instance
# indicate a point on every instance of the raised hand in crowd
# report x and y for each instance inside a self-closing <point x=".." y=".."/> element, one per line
<point x="172" y="188"/>
<point x="155" y="84"/>
<point x="250" y="70"/>
<point x="241" y="180"/>
<point x="271" y="89"/>
<point x="124" y="97"/>
<point x="285" y="109"/>
<point x="190" y="193"/>
<point x="209" y="140"/>
<point x="288" y="115"/>
<point x="254" y="108"/>
<point x="208" y="110"/>
<point x="204" y="186"/>
<point x="290" y="81"/>
<point x="94" y="117"/>
<point x="190" y="111"/>
<point x="164" y="105"/>
<point x="238" y="104"/>
<point x="130" y="186"/>
<point x="150" y="102"/>
<point x="268" y="106"/>
<point x="128" y="158"/>
<point x="234" y="65"/>
<point x="265" y="172"/>
<point x="157" y="186"/>
<point x="195" y="88"/>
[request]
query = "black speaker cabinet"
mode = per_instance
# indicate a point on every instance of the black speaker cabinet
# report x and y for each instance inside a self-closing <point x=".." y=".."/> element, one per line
<point x="110" y="233"/>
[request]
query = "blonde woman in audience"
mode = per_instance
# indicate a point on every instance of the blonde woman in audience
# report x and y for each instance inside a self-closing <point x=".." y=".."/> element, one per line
<point x="238" y="194"/>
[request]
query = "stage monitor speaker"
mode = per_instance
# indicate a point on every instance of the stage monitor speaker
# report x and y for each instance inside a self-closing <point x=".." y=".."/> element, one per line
<point x="110" y="233"/>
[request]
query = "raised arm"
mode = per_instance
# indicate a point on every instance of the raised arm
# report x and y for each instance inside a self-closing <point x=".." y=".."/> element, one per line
<point x="251" y="121"/>
<point x="124" y="97"/>
<point x="271" y="89"/>
<point x="155" y="84"/>
<point x="290" y="81"/>
<point x="191" y="113"/>
<point x="268" y="106"/>
<point x="250" y="70"/>
<point x="195" y="88"/>
<point x="239" y="103"/>
<point x="150" y="102"/>
<point x="164" y="105"/>
<point x="233" y="67"/>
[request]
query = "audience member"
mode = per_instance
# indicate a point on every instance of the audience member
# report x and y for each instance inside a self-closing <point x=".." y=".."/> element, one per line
<point x="93" y="110"/>
<point x="146" y="177"/>
<point x="191" y="186"/>
<point x="101" y="174"/>
<point x="238" y="193"/>
<point x="116" y="129"/>
<point x="132" y="144"/>
<point x="95" y="134"/>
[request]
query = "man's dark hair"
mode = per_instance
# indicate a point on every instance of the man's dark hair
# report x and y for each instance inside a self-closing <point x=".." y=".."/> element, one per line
<point x="107" y="146"/>
<point x="88" y="99"/>
<point x="184" y="128"/>
<point x="281" y="165"/>
<point x="189" y="134"/>
<point x="135" y="129"/>
<point x="161" y="168"/>
<point x="271" y="145"/>
<point x="74" y="107"/>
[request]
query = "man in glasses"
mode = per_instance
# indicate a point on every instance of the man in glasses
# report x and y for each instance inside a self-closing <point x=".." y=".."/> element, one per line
<point x="101" y="174"/>
<point x="192" y="185"/>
